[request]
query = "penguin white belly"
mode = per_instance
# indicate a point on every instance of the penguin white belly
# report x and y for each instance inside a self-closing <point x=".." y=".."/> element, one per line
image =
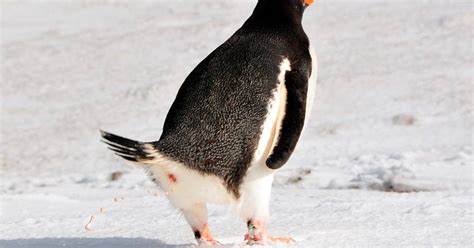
<point x="185" y="187"/>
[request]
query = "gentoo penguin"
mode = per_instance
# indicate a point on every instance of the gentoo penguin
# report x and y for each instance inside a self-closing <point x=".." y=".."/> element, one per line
<point x="235" y="120"/>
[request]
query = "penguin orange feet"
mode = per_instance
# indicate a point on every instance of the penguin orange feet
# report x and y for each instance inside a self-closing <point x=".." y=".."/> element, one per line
<point x="257" y="234"/>
<point x="204" y="237"/>
<point x="282" y="240"/>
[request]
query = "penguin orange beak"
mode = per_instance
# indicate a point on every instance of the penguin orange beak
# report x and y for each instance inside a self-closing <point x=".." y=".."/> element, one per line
<point x="308" y="2"/>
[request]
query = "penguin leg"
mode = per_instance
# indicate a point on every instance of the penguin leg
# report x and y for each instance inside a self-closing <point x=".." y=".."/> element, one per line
<point x="255" y="204"/>
<point x="196" y="216"/>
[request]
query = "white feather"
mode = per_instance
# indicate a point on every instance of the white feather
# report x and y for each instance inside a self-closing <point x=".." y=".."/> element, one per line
<point x="191" y="187"/>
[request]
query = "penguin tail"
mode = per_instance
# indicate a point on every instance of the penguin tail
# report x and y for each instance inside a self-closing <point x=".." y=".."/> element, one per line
<point x="131" y="150"/>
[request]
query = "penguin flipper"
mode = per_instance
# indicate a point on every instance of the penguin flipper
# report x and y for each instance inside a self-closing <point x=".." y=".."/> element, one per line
<point x="297" y="87"/>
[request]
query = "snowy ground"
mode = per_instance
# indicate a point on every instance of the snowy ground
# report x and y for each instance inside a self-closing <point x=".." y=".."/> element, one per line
<point x="387" y="159"/>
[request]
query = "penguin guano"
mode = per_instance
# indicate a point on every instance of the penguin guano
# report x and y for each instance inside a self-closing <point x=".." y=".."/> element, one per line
<point x="236" y="119"/>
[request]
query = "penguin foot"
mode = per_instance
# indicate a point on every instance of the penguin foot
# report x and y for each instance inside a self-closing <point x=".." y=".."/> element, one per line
<point x="206" y="242"/>
<point x="267" y="239"/>
<point x="257" y="234"/>
<point x="282" y="240"/>
<point x="204" y="237"/>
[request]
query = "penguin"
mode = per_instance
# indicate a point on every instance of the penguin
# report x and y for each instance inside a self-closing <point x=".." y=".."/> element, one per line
<point x="235" y="121"/>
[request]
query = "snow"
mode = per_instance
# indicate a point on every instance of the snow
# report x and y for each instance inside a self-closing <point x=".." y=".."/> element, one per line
<point x="387" y="158"/>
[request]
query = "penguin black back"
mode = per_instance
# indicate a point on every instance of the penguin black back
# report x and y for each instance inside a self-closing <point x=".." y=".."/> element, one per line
<point x="216" y="119"/>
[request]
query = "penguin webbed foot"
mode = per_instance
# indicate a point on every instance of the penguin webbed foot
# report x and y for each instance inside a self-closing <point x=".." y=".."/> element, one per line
<point x="204" y="237"/>
<point x="257" y="234"/>
<point x="268" y="240"/>
<point x="205" y="242"/>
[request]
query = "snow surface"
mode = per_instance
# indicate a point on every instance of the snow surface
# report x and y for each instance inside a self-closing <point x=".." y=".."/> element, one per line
<point x="387" y="158"/>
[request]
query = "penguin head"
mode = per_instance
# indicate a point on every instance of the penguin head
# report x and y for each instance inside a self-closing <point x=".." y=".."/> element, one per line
<point x="290" y="4"/>
<point x="281" y="10"/>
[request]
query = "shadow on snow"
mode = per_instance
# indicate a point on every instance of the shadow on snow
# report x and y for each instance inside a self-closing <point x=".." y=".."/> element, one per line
<point x="87" y="242"/>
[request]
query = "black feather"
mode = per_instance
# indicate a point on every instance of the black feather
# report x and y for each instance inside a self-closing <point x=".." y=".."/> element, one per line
<point x="130" y="149"/>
